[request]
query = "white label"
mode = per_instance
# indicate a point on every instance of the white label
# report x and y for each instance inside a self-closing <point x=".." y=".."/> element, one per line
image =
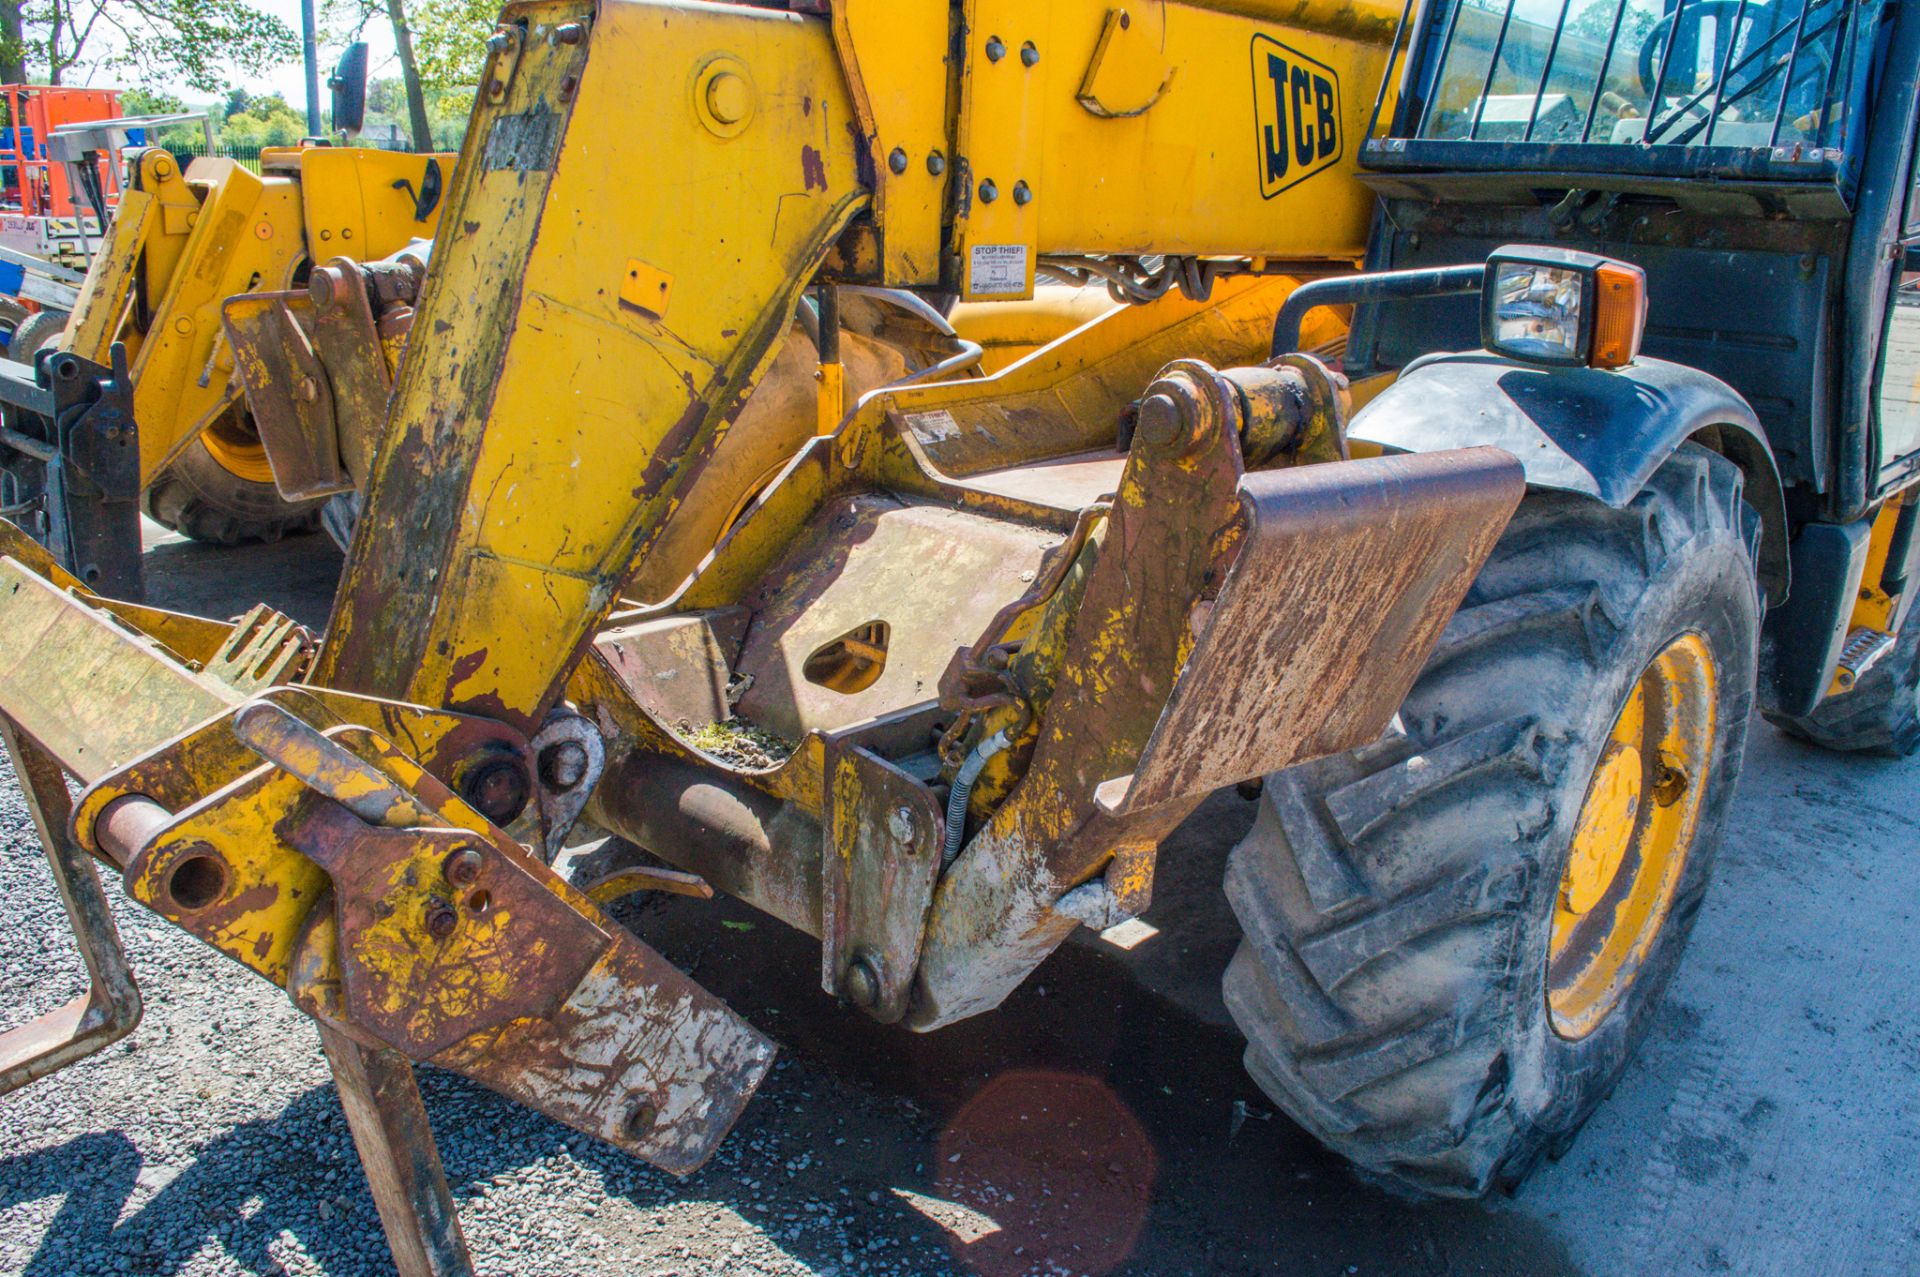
<point x="997" y="269"/>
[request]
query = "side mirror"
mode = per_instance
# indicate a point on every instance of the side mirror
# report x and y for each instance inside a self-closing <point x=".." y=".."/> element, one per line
<point x="349" y="85"/>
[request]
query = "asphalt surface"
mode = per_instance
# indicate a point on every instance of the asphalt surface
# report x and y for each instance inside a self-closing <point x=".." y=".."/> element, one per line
<point x="1099" y="1123"/>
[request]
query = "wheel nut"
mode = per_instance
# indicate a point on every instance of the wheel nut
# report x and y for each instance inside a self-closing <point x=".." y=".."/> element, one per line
<point x="564" y="764"/>
<point x="441" y="919"/>
<point x="463" y="866"/>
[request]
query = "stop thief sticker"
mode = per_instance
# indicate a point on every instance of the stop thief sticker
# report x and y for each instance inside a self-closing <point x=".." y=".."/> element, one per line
<point x="1296" y="111"/>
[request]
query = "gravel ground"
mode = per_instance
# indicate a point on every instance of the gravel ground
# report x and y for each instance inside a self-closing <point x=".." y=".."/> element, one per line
<point x="1099" y="1123"/>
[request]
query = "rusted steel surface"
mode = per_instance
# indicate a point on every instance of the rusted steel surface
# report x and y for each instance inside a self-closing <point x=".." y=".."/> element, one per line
<point x="210" y="756"/>
<point x="747" y="843"/>
<point x="110" y="1007"/>
<point x="916" y="574"/>
<point x="519" y="981"/>
<point x="639" y="1056"/>
<point x="263" y="649"/>
<point x="289" y="392"/>
<point x="882" y="857"/>
<point x="443" y="933"/>
<point x="617" y="884"/>
<point x="1347" y="576"/>
<point x="346" y="335"/>
<point x="390" y="1132"/>
<point x="677" y="667"/>
<point x="1174" y="528"/>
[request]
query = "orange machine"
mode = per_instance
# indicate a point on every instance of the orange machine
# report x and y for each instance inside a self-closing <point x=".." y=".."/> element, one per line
<point x="35" y="185"/>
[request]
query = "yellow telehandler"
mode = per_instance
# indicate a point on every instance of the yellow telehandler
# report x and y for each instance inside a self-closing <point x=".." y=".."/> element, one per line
<point x="1404" y="479"/>
<point x="181" y="244"/>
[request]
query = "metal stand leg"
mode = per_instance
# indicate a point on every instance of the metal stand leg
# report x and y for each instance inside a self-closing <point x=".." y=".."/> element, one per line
<point x="111" y="1005"/>
<point x="390" y="1130"/>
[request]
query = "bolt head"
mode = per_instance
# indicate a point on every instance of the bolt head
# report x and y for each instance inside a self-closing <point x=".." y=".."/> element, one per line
<point x="729" y="98"/>
<point x="936" y="163"/>
<point x="499" y="42"/>
<point x="569" y="33"/>
<point x="897" y="160"/>
<point x="498" y="789"/>
<point x="900" y="825"/>
<point x="563" y="764"/>
<point x="1162" y="420"/>
<point x="309" y="389"/>
<point x="441" y="919"/>
<point x="988" y="191"/>
<point x="1022" y="193"/>
<point x="463" y="866"/>
<point x="863" y="984"/>
<point x="996" y="48"/>
<point x="1029" y="55"/>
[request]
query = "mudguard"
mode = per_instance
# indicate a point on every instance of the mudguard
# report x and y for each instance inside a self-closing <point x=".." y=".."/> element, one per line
<point x="1598" y="432"/>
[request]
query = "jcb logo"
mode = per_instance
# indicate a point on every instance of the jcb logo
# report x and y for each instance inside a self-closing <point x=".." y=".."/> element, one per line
<point x="1296" y="111"/>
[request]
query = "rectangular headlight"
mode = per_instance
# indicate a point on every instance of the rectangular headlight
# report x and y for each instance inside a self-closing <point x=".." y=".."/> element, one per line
<point x="1562" y="308"/>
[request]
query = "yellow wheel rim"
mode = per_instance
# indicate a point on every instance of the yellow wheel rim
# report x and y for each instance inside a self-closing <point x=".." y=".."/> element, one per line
<point x="1630" y="842"/>
<point x="232" y="442"/>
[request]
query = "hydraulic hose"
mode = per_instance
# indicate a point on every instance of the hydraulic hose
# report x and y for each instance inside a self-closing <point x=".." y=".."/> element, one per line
<point x="963" y="781"/>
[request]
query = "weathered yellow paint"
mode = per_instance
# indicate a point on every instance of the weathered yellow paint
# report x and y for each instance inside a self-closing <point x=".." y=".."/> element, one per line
<point x="558" y="388"/>
<point x="109" y="284"/>
<point x="899" y="72"/>
<point x="1632" y="837"/>
<point x="1183" y="174"/>
<point x="350" y="206"/>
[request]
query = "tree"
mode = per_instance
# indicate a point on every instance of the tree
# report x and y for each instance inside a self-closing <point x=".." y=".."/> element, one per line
<point x="266" y="121"/>
<point x="441" y="46"/>
<point x="13" y="50"/>
<point x="192" y="41"/>
<point x="410" y="77"/>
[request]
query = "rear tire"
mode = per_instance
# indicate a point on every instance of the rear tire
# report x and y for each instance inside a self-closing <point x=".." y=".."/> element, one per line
<point x="1398" y="901"/>
<point x="1880" y="715"/>
<point x="198" y="497"/>
<point x="34" y="332"/>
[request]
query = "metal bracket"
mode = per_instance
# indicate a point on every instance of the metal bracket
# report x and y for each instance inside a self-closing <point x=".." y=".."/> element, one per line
<point x="883" y="834"/>
<point x="110" y="1007"/>
<point x="71" y="448"/>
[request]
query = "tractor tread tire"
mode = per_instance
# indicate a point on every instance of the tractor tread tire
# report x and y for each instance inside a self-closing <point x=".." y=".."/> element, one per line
<point x="1881" y="715"/>
<point x="199" y="498"/>
<point x="1395" y="899"/>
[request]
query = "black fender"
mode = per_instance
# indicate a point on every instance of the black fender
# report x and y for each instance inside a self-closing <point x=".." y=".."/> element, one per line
<point x="1599" y="432"/>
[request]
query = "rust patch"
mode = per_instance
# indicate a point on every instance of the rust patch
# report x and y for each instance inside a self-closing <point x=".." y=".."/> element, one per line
<point x="813" y="169"/>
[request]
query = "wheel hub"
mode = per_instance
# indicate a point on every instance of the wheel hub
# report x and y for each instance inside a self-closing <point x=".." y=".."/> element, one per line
<point x="1628" y="853"/>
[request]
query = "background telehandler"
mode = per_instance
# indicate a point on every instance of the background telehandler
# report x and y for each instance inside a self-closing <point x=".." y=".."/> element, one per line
<point x="1625" y="373"/>
<point x="181" y="244"/>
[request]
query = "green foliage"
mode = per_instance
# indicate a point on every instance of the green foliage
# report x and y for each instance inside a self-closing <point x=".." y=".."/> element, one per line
<point x="447" y="111"/>
<point x="450" y="40"/>
<point x="264" y="121"/>
<point x="147" y="102"/>
<point x="195" y="42"/>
